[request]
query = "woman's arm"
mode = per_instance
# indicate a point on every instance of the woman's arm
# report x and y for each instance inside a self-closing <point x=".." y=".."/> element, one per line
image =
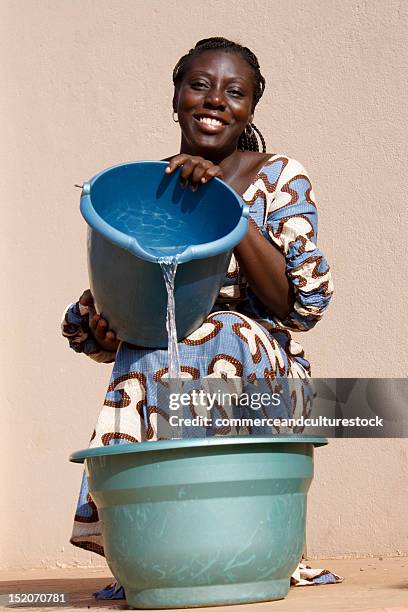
<point x="282" y="264"/>
<point x="264" y="267"/>
<point x="289" y="278"/>
<point x="262" y="263"/>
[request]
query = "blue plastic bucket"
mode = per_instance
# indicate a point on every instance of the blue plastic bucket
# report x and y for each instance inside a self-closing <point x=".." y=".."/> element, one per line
<point x="138" y="214"/>
<point x="202" y="522"/>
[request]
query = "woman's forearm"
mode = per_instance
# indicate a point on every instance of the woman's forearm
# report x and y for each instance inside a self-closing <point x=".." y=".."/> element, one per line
<point x="264" y="268"/>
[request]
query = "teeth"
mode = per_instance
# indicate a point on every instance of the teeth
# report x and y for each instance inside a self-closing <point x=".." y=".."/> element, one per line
<point x="210" y="121"/>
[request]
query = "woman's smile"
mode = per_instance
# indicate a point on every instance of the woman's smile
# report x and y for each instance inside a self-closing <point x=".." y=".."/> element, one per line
<point x="210" y="125"/>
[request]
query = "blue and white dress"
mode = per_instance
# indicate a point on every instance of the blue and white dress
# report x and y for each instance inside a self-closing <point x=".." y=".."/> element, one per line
<point x="239" y="340"/>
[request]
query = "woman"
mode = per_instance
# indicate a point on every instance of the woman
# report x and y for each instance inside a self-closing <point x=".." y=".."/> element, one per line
<point x="278" y="281"/>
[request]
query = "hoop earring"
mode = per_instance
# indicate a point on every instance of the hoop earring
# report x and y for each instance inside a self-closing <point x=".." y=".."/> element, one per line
<point x="249" y="132"/>
<point x="175" y="120"/>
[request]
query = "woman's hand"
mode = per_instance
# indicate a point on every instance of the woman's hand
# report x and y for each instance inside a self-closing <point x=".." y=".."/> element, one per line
<point x="105" y="337"/>
<point x="195" y="170"/>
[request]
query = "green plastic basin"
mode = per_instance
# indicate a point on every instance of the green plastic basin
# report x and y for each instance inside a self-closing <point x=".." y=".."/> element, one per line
<point x="202" y="522"/>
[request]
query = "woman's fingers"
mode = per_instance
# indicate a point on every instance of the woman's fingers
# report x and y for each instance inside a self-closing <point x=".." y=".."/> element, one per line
<point x="195" y="170"/>
<point x="111" y="343"/>
<point x="213" y="171"/>
<point x="176" y="162"/>
<point x="93" y="323"/>
<point x="105" y="337"/>
<point x="187" y="170"/>
<point x="99" y="326"/>
<point x="86" y="298"/>
<point x="201" y="171"/>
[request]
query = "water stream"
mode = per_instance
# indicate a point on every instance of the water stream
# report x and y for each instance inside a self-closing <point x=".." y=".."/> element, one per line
<point x="169" y="269"/>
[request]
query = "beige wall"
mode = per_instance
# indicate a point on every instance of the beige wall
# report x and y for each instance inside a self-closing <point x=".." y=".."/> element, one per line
<point x="88" y="84"/>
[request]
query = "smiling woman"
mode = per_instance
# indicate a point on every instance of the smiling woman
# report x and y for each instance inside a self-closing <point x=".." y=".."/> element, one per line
<point x="278" y="281"/>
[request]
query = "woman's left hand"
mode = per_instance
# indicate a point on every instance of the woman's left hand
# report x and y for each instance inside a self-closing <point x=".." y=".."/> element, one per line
<point x="194" y="170"/>
<point x="99" y="327"/>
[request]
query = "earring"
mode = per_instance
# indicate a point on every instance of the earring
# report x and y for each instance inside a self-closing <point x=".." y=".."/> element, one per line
<point x="175" y="120"/>
<point x="249" y="132"/>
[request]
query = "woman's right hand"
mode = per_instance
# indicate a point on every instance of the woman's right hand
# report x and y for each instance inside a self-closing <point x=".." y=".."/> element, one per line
<point x="105" y="337"/>
<point x="194" y="169"/>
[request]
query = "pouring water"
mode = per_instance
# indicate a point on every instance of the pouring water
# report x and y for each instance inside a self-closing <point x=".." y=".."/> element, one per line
<point x="169" y="268"/>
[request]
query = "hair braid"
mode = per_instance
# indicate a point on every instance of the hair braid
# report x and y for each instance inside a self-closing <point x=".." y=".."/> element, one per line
<point x="246" y="142"/>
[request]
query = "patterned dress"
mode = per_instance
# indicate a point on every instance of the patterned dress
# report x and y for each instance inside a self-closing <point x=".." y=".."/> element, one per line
<point x="239" y="340"/>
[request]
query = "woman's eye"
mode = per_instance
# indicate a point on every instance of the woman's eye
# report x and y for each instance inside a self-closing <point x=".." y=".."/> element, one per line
<point x="236" y="92"/>
<point x="198" y="84"/>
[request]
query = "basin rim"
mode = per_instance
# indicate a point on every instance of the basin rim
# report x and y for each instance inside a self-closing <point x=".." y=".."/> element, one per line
<point x="163" y="445"/>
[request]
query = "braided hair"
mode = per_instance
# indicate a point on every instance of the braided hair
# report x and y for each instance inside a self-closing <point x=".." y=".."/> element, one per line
<point x="248" y="140"/>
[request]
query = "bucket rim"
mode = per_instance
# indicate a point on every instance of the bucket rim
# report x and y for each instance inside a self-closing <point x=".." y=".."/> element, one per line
<point x="161" y="445"/>
<point x="131" y="244"/>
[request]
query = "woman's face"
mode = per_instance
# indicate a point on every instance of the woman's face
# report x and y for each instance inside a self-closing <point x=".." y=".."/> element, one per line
<point x="214" y="103"/>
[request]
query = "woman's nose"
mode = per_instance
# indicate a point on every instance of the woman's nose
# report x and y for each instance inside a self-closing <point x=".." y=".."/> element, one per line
<point x="215" y="97"/>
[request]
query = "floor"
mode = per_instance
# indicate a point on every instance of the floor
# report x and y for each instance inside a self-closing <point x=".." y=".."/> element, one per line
<point x="370" y="585"/>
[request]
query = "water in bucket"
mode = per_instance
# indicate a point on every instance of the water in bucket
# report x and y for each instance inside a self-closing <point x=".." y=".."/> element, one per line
<point x="156" y="229"/>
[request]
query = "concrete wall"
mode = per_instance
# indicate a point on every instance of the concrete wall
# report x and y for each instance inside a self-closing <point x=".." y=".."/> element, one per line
<point x="88" y="84"/>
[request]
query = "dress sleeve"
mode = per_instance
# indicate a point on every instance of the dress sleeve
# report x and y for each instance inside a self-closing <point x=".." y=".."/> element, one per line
<point x="291" y="224"/>
<point x="75" y="327"/>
